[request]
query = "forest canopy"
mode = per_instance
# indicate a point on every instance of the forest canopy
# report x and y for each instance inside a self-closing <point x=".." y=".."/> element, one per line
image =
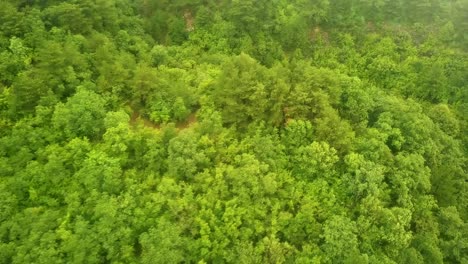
<point x="234" y="131"/>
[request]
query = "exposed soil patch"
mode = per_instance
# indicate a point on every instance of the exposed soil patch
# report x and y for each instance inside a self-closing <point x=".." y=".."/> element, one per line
<point x="317" y="34"/>
<point x="189" y="21"/>
<point x="136" y="119"/>
<point x="191" y="119"/>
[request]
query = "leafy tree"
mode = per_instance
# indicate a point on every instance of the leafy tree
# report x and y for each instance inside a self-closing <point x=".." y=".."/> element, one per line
<point x="81" y="116"/>
<point x="242" y="91"/>
<point x="163" y="244"/>
<point x="288" y="131"/>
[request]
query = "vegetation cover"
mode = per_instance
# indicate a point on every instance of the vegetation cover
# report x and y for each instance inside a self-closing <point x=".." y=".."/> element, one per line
<point x="233" y="131"/>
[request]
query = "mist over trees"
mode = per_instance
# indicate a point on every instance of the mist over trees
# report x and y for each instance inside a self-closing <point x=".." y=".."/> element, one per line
<point x="243" y="131"/>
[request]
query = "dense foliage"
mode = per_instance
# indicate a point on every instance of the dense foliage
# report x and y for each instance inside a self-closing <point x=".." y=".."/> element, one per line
<point x="233" y="131"/>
